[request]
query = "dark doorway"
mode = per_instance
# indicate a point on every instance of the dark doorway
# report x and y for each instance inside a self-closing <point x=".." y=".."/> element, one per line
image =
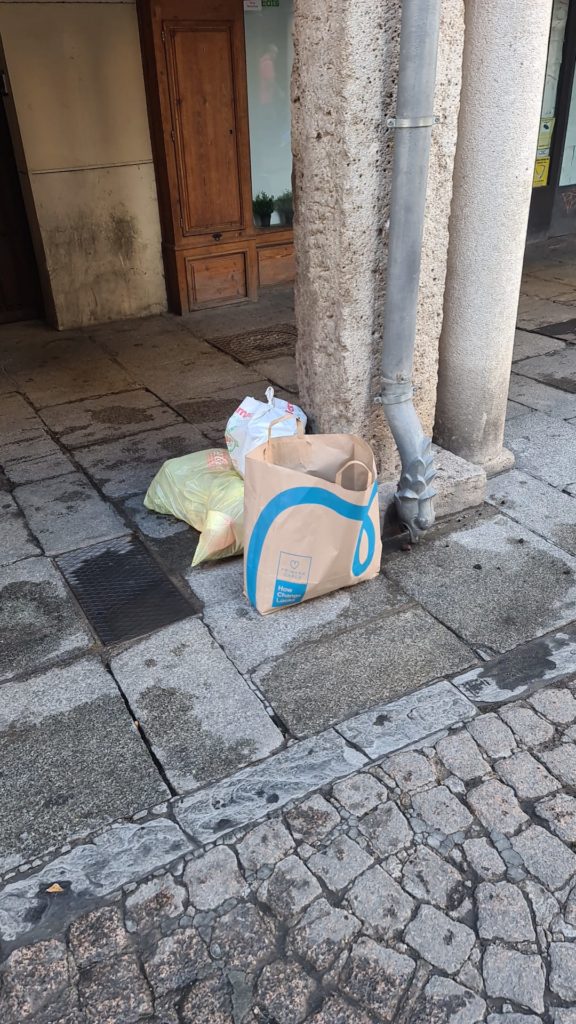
<point x="19" y="285"/>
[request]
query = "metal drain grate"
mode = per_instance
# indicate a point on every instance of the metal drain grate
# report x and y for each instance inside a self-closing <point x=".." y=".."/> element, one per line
<point x="265" y="343"/>
<point x="122" y="591"/>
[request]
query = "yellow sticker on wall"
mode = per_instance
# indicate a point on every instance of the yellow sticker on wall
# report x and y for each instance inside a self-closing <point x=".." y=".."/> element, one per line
<point x="541" y="169"/>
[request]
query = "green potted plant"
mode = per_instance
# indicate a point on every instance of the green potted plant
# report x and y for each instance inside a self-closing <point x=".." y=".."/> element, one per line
<point x="284" y="207"/>
<point x="263" y="208"/>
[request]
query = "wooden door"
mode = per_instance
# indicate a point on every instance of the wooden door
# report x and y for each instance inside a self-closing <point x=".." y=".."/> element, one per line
<point x="19" y="287"/>
<point x="195" y="70"/>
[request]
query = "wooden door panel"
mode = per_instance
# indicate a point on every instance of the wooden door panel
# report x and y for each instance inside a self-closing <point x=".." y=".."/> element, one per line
<point x="201" y="77"/>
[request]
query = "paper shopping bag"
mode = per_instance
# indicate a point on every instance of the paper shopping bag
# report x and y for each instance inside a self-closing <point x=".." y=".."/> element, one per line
<point x="311" y="518"/>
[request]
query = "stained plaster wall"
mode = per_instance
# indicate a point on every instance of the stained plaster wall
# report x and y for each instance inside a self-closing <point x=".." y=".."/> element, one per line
<point x="77" y="85"/>
<point x="346" y="58"/>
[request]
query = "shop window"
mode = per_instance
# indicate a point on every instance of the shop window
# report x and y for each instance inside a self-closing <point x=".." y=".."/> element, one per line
<point x="268" y="29"/>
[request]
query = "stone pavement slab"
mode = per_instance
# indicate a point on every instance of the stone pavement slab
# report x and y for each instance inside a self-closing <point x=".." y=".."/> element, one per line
<point x="72" y="760"/>
<point x="544" y="446"/>
<point x="250" y="638"/>
<point x="68" y="369"/>
<point x="513" y="409"/>
<point x="281" y="370"/>
<point x="127" y="467"/>
<point x="535" y="395"/>
<point x="327" y="681"/>
<point x="172" y="541"/>
<point x="540" y="662"/>
<point x="95" y="869"/>
<point x="198" y="713"/>
<point x="471" y="580"/>
<point x="49" y="463"/>
<point x="530" y="343"/>
<point x="558" y="369"/>
<point x="248" y="796"/>
<point x="534" y="313"/>
<point x="203" y="374"/>
<point x="398" y="723"/>
<point x="109" y="418"/>
<point x="39" y="621"/>
<point x="66" y="513"/>
<point x="536" y="505"/>
<point x="148" y="341"/>
<point x="15" y="539"/>
<point x="18" y="422"/>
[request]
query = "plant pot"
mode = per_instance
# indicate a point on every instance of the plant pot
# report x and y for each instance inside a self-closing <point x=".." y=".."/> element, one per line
<point x="265" y="220"/>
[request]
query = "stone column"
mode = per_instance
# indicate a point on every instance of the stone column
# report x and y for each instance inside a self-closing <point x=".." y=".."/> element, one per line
<point x="343" y="88"/>
<point x="505" y="47"/>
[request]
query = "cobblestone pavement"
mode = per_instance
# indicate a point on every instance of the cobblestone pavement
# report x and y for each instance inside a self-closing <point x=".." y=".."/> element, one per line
<point x="436" y="887"/>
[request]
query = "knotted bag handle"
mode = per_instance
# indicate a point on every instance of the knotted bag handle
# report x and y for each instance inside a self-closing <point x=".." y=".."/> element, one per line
<point x="354" y="462"/>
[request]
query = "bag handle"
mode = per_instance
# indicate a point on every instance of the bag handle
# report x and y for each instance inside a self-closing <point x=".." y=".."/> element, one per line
<point x="354" y="462"/>
<point x="287" y="416"/>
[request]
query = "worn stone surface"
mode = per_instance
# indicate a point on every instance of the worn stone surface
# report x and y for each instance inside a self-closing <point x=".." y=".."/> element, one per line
<point x="98" y="936"/>
<point x="560" y="814"/>
<point x="527" y="726"/>
<point x="213" y="879"/>
<point x="497" y="807"/>
<point x="201" y="718"/>
<point x="558" y="369"/>
<point x="445" y="1002"/>
<point x="322" y="933"/>
<point x="484" y="859"/>
<point x="380" y="903"/>
<point x="290" y="888"/>
<point x="154" y="902"/>
<point x="390" y="726"/>
<point x="264" y="845"/>
<point x="108" y="418"/>
<point x="462" y="757"/>
<point x="545" y="856"/>
<point x="528" y="778"/>
<point x="428" y="877"/>
<point x="386" y="829"/>
<point x="411" y="771"/>
<point x="67" y="513"/>
<point x="444" y="943"/>
<point x="471" y="581"/>
<point x="36" y="983"/>
<point x="493" y="735"/>
<point x="128" y="466"/>
<point x="209" y="1000"/>
<point x="541" y="397"/>
<point x="360" y="793"/>
<point x="95" y="869"/>
<point x="177" y="960"/>
<point x="250" y="639"/>
<point x="115" y="990"/>
<point x="561" y="761"/>
<point x="339" y="863"/>
<point x="244" y="937"/>
<point x="558" y="706"/>
<point x="530" y="343"/>
<point x="284" y="992"/>
<point x="376" y="977"/>
<point x="16" y="541"/>
<point x="249" y="795"/>
<point x="536" y="505"/>
<point x="543" y="447"/>
<point x="39" y="622"/>
<point x="412" y="646"/>
<point x="312" y="819"/>
<point x="563" y="970"/>
<point x="71" y="760"/>
<point x="503" y="913"/>
<point x="516" y="976"/>
<point x="442" y="810"/>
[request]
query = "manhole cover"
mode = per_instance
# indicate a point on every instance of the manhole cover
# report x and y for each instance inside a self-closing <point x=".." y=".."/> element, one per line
<point x="122" y="591"/>
<point x="264" y="343"/>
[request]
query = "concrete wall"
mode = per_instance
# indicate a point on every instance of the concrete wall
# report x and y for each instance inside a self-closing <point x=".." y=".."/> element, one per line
<point x="344" y="82"/>
<point x="77" y="84"/>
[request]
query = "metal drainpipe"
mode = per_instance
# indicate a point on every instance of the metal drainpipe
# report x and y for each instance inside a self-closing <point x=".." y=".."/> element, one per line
<point x="413" y="126"/>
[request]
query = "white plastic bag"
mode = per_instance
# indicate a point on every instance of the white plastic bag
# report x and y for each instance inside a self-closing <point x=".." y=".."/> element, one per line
<point x="248" y="427"/>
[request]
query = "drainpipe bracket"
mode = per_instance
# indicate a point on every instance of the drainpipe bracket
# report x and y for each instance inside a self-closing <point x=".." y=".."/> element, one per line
<point x="427" y="121"/>
<point x="395" y="391"/>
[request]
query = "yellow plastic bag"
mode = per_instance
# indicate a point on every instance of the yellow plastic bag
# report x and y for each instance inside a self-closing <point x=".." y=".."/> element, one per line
<point x="204" y="490"/>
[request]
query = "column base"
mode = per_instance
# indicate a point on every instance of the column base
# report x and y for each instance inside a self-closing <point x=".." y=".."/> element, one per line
<point x="460" y="485"/>
<point x="499" y="464"/>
